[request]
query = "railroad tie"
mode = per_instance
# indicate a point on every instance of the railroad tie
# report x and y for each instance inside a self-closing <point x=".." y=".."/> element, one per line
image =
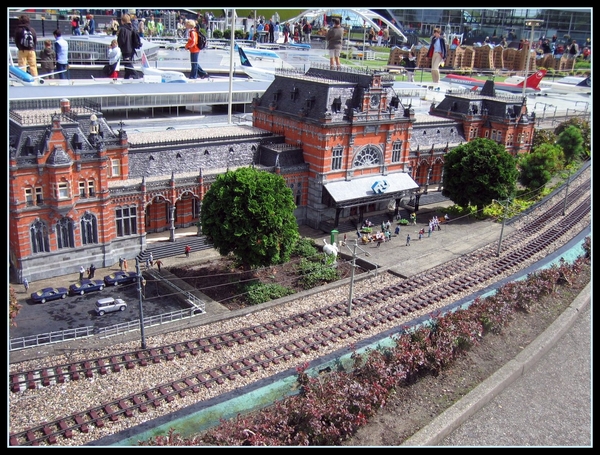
<point x="30" y="381"/>
<point x="192" y="347"/>
<point x="30" y="438"/>
<point x="88" y="369"/>
<point x="178" y="389"/>
<point x="67" y="432"/>
<point x="155" y="355"/>
<point x="48" y="433"/>
<point x="97" y="420"/>
<point x="138" y="402"/>
<point x="112" y="415"/>
<point x="168" y="397"/>
<point x="73" y="372"/>
<point x="151" y="397"/>
<point x="129" y="362"/>
<point x="180" y="351"/>
<point x="102" y="365"/>
<point x="45" y="378"/>
<point x="191" y="385"/>
<point x="15" y="384"/>
<point x="82" y="425"/>
<point x="115" y="364"/>
<point x="142" y="358"/>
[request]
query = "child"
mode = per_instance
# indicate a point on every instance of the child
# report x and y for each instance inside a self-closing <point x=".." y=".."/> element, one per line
<point x="410" y="65"/>
<point x="47" y="59"/>
<point x="114" y="58"/>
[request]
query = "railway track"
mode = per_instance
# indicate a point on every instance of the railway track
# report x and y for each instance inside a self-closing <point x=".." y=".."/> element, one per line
<point x="282" y="342"/>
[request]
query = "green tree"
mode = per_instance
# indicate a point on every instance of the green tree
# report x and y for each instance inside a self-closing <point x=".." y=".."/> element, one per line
<point x="479" y="171"/>
<point x="250" y="213"/>
<point x="543" y="137"/>
<point x="572" y="143"/>
<point x="584" y="128"/>
<point x="538" y="167"/>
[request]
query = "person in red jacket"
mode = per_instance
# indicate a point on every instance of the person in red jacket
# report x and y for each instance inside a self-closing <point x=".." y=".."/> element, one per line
<point x="192" y="46"/>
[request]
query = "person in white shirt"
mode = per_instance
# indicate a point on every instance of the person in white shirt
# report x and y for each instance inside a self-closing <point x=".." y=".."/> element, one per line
<point x="114" y="59"/>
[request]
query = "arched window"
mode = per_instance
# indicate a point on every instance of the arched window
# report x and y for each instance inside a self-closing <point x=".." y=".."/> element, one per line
<point x="369" y="156"/>
<point x="89" y="229"/>
<point x="38" y="232"/>
<point x="64" y="233"/>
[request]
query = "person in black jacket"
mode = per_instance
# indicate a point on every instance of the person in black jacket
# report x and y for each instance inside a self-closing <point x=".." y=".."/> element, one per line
<point x="125" y="40"/>
<point x="410" y="63"/>
<point x="27" y="56"/>
<point x="437" y="54"/>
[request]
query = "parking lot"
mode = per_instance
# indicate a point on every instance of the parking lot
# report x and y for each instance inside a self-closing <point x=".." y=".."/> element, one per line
<point x="79" y="310"/>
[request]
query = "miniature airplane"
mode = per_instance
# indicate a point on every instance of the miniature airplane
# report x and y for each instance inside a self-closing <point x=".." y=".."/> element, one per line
<point x="568" y="84"/>
<point x="19" y="75"/>
<point x="262" y="73"/>
<point x="166" y="76"/>
<point x="533" y="83"/>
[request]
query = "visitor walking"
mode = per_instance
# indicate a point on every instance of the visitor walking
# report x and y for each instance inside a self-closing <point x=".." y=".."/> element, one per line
<point x="127" y="40"/>
<point x="158" y="264"/>
<point x="61" y="49"/>
<point x="26" y="284"/>
<point x="192" y="46"/>
<point x="26" y="41"/>
<point x="81" y="272"/>
<point x="408" y="240"/>
<point x="437" y="54"/>
<point x="188" y="250"/>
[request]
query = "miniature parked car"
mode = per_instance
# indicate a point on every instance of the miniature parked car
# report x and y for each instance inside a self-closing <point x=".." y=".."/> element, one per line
<point x="109" y="304"/>
<point x="46" y="294"/>
<point x="86" y="286"/>
<point x="120" y="277"/>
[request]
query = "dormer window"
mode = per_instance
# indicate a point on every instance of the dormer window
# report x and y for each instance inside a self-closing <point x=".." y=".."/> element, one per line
<point x="336" y="106"/>
<point x="294" y="94"/>
<point x="310" y="102"/>
<point x="276" y="95"/>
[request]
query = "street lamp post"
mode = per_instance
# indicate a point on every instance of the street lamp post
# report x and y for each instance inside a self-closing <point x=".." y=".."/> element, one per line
<point x="529" y="23"/>
<point x="364" y="40"/>
<point x="504" y="215"/>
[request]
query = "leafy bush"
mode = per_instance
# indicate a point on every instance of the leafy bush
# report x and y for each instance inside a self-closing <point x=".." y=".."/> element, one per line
<point x="316" y="273"/>
<point x="305" y="247"/>
<point x="403" y="222"/>
<point x="258" y="293"/>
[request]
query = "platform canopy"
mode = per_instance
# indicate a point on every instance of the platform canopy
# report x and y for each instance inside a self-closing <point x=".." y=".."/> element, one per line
<point x="354" y="17"/>
<point x="363" y="190"/>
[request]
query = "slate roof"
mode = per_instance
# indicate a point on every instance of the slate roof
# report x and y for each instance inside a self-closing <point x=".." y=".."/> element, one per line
<point x="320" y="93"/>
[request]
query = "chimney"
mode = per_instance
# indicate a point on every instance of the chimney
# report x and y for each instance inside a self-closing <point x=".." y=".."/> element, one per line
<point x="65" y="106"/>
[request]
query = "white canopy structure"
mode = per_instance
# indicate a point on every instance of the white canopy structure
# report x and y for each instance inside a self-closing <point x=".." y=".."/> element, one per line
<point x="353" y="17"/>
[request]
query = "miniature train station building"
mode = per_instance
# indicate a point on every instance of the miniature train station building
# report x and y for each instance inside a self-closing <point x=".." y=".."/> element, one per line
<point x="81" y="192"/>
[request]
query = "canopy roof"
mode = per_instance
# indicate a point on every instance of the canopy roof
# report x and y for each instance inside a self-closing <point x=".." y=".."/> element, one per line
<point x="355" y="17"/>
<point x="361" y="190"/>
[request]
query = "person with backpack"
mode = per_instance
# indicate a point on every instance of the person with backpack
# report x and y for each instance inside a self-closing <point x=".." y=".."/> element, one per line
<point x="61" y="48"/>
<point x="192" y="45"/>
<point x="573" y="49"/>
<point x="26" y="41"/>
<point x="128" y="41"/>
